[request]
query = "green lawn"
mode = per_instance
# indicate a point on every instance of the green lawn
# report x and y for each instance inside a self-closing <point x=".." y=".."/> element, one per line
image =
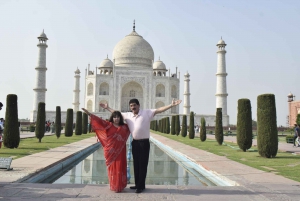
<point x="285" y="164"/>
<point x="30" y="146"/>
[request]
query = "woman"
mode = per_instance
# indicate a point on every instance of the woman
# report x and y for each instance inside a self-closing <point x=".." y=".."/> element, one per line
<point x="113" y="135"/>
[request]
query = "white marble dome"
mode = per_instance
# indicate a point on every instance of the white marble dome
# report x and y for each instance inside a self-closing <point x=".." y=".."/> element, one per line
<point x="221" y="42"/>
<point x="133" y="49"/>
<point x="159" y="65"/>
<point x="107" y="63"/>
<point x="43" y="35"/>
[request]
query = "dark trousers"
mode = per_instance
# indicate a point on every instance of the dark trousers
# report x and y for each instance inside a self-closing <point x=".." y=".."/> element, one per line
<point x="140" y="153"/>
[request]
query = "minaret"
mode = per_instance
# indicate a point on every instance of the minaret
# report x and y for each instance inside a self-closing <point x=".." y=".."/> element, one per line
<point x="76" y="91"/>
<point x="40" y="82"/>
<point x="186" y="94"/>
<point x="221" y="94"/>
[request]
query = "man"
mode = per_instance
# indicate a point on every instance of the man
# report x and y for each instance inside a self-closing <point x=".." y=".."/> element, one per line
<point x="138" y="122"/>
<point x="296" y="134"/>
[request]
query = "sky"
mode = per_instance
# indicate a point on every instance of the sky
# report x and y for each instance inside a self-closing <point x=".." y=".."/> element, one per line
<point x="262" y="37"/>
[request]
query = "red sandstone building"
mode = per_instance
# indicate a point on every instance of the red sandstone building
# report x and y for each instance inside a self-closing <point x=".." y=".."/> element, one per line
<point x="294" y="109"/>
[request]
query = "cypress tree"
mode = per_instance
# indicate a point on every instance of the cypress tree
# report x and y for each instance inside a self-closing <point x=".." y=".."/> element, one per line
<point x="159" y="125"/>
<point x="168" y="125"/>
<point x="11" y="138"/>
<point x="192" y="126"/>
<point x="78" y="128"/>
<point x="203" y="130"/>
<point x="267" y="133"/>
<point x="244" y="124"/>
<point x="177" y="124"/>
<point x="298" y="119"/>
<point x="69" y="123"/>
<point x="164" y="125"/>
<point x="58" y="122"/>
<point x="40" y="121"/>
<point x="184" y="126"/>
<point x="219" y="127"/>
<point x="156" y="125"/>
<point x="173" y="125"/>
<point x="84" y="123"/>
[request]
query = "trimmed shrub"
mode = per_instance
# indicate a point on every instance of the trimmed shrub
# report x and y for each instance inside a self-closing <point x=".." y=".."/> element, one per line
<point x="244" y="124"/>
<point x="192" y="126"/>
<point x="156" y="125"/>
<point x="168" y="125"/>
<point x="11" y="138"/>
<point x="219" y="127"/>
<point x="58" y="122"/>
<point x="267" y="139"/>
<point x="69" y="123"/>
<point x="84" y="123"/>
<point x="40" y="121"/>
<point x="298" y="119"/>
<point x="203" y="130"/>
<point x="78" y="128"/>
<point x="184" y="126"/>
<point x="177" y="125"/>
<point x="173" y="125"/>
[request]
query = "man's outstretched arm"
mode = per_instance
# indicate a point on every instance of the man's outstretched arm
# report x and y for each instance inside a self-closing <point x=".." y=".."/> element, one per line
<point x="105" y="106"/>
<point x="164" y="108"/>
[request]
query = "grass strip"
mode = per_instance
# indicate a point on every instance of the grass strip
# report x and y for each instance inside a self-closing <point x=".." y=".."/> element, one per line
<point x="30" y="146"/>
<point x="285" y="164"/>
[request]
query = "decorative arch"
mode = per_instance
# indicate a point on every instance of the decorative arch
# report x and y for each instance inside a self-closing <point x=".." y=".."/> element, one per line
<point x="89" y="106"/>
<point x="90" y="89"/>
<point x="173" y="92"/>
<point x="131" y="90"/>
<point x="159" y="104"/>
<point x="100" y="108"/>
<point x="160" y="90"/>
<point x="104" y="89"/>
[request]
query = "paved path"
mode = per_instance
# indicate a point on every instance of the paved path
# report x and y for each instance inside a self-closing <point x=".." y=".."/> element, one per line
<point x="250" y="183"/>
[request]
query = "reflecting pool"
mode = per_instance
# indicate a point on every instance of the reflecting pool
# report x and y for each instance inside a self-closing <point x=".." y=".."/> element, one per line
<point x="162" y="170"/>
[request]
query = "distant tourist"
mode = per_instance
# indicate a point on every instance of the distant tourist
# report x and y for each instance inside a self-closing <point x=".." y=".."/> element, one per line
<point x="113" y="135"/>
<point x="296" y="134"/>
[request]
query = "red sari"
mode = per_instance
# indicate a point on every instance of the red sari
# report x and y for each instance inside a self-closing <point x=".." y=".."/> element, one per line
<point x="113" y="140"/>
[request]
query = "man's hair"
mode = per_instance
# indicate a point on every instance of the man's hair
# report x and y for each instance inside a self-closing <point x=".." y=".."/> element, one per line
<point x="116" y="114"/>
<point x="295" y="124"/>
<point x="1" y="105"/>
<point x="136" y="101"/>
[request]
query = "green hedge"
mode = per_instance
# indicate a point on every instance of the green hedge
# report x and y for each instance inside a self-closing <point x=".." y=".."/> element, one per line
<point x="267" y="133"/>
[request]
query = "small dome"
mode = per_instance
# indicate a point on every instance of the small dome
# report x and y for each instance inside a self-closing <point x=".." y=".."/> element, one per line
<point x="107" y="63"/>
<point x="290" y="95"/>
<point x="159" y="65"/>
<point x="43" y="35"/>
<point x="77" y="71"/>
<point x="221" y="42"/>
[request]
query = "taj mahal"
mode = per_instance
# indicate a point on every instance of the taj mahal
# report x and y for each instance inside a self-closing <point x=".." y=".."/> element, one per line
<point x="131" y="73"/>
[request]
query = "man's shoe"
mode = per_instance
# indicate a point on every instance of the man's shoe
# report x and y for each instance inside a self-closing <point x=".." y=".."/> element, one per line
<point x="132" y="187"/>
<point x="138" y="190"/>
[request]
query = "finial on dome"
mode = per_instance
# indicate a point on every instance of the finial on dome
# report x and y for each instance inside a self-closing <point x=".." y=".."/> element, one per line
<point x="107" y="56"/>
<point x="158" y="58"/>
<point x="221" y="38"/>
<point x="133" y="25"/>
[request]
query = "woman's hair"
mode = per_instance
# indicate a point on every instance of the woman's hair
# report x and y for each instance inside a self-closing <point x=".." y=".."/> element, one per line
<point x="116" y="114"/>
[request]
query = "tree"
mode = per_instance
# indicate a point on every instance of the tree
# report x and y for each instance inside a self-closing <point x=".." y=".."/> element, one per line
<point x="203" y="130"/>
<point x="177" y="124"/>
<point x="40" y="121"/>
<point x="58" y="122"/>
<point x="192" y="126"/>
<point x="11" y="137"/>
<point x="69" y="123"/>
<point x="184" y="126"/>
<point x="163" y="125"/>
<point x="84" y="123"/>
<point x="168" y="125"/>
<point x="78" y="128"/>
<point x="244" y="124"/>
<point x="156" y="125"/>
<point x="173" y="125"/>
<point x="267" y="139"/>
<point x="219" y="127"/>
<point x="298" y="119"/>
